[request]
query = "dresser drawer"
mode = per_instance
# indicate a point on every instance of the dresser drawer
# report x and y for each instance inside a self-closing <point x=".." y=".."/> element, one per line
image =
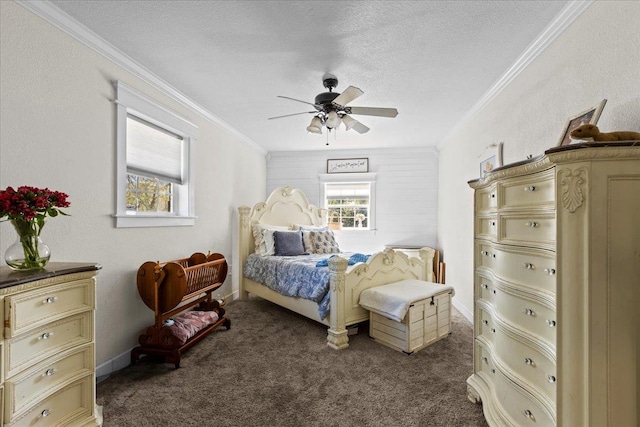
<point x="529" y="230"/>
<point x="536" y="190"/>
<point x="486" y="199"/>
<point x="28" y="310"/>
<point x="44" y="342"/>
<point x="70" y="404"/>
<point x="531" y="364"/>
<point x="526" y="314"/>
<point x="522" y="408"/>
<point x="41" y="380"/>
<point x="535" y="268"/>
<point x="487" y="227"/>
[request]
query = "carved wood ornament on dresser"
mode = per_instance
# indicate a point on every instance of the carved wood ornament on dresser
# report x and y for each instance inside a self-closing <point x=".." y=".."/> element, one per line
<point x="48" y="347"/>
<point x="557" y="288"/>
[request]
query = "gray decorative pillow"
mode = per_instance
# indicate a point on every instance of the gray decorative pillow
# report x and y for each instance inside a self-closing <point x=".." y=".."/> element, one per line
<point x="324" y="242"/>
<point x="288" y="243"/>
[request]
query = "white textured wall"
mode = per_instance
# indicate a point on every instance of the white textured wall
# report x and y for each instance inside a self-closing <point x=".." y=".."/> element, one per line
<point x="57" y="126"/>
<point x="406" y="191"/>
<point x="597" y="58"/>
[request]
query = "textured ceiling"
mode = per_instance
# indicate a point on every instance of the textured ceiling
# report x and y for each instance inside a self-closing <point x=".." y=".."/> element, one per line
<point x="432" y="60"/>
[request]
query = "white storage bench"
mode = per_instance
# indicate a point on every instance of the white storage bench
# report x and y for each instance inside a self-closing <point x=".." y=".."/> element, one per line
<point x="408" y="315"/>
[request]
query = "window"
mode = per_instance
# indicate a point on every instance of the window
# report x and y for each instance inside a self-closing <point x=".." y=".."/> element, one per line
<point x="351" y="202"/>
<point x="154" y="170"/>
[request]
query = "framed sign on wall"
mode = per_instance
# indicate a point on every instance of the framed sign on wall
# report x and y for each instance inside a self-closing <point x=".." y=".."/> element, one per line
<point x="347" y="165"/>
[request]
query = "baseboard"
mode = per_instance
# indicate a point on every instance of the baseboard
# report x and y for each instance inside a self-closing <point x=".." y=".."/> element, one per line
<point x="462" y="309"/>
<point x="121" y="361"/>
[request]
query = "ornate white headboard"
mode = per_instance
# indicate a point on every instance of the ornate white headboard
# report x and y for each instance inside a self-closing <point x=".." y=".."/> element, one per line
<point x="284" y="206"/>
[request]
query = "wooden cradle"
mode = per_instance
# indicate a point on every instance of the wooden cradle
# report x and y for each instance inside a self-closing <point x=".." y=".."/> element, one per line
<point x="173" y="287"/>
<point x="287" y="206"/>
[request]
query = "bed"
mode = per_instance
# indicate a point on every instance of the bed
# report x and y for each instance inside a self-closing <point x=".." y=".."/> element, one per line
<point x="287" y="206"/>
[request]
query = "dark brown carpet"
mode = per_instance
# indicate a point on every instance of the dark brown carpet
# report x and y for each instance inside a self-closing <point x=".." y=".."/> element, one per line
<point x="273" y="369"/>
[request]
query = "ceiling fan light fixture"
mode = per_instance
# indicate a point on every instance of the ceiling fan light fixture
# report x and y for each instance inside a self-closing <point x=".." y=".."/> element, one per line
<point x="348" y="121"/>
<point x="315" y="126"/>
<point x="333" y="120"/>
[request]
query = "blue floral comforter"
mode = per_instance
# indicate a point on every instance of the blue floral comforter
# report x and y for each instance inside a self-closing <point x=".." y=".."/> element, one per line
<point x="293" y="276"/>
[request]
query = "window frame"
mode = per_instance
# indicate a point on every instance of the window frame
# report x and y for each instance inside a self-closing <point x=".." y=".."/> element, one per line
<point x="131" y="102"/>
<point x="352" y="178"/>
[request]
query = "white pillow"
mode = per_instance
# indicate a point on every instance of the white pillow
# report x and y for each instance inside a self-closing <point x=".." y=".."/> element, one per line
<point x="263" y="237"/>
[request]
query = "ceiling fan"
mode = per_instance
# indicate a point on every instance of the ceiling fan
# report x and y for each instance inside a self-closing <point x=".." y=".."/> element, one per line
<point x="331" y="108"/>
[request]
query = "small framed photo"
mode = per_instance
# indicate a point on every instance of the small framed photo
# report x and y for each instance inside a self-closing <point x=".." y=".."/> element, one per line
<point x="589" y="116"/>
<point x="491" y="158"/>
<point x="347" y="165"/>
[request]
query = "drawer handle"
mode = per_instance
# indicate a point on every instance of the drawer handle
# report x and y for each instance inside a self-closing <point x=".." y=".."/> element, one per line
<point x="49" y="372"/>
<point x="485" y="321"/>
<point x="551" y="378"/>
<point x="527" y="413"/>
<point x="550" y="271"/>
<point x="485" y="360"/>
<point x="484" y="286"/>
<point x="45" y="413"/>
<point x="45" y="336"/>
<point x="484" y="252"/>
<point x="493" y="371"/>
<point x="532" y="224"/>
<point x="492" y="196"/>
<point x="530" y="188"/>
<point x="493" y="223"/>
<point x="49" y="300"/>
<point x="493" y="255"/>
<point x="493" y="291"/>
<point x="551" y="323"/>
<point x="528" y="361"/>
<point x="493" y="330"/>
<point x="529" y="312"/>
<point x="528" y="265"/>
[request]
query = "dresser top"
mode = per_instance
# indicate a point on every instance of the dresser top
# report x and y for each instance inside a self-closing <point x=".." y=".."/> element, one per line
<point x="9" y="277"/>
<point x="583" y="151"/>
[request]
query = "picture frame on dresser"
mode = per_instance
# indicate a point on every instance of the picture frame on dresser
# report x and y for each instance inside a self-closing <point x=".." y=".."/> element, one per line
<point x="589" y="116"/>
<point x="491" y="158"/>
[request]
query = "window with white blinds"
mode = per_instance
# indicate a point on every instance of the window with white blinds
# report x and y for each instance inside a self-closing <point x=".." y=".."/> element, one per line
<point x="154" y="167"/>
<point x="152" y="151"/>
<point x="349" y="199"/>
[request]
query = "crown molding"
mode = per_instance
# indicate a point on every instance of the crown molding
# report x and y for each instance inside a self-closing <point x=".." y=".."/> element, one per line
<point x="565" y="18"/>
<point x="84" y="35"/>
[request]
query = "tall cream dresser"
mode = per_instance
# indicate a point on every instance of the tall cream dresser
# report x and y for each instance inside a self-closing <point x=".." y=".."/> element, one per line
<point x="47" y="362"/>
<point x="557" y="289"/>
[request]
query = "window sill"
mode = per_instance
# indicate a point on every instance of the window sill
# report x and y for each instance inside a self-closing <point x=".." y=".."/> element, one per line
<point x="135" y="221"/>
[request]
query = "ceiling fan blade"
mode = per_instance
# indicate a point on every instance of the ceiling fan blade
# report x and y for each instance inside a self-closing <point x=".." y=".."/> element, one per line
<point x="298" y="100"/>
<point x="348" y="95"/>
<point x="359" y="127"/>
<point x="351" y="123"/>
<point x="289" y="115"/>
<point x="374" y="111"/>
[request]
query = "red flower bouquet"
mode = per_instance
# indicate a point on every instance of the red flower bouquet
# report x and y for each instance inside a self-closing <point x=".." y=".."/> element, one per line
<point x="27" y="208"/>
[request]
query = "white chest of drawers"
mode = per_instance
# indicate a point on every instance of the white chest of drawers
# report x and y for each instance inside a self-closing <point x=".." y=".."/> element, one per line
<point x="47" y="349"/>
<point x="557" y="289"/>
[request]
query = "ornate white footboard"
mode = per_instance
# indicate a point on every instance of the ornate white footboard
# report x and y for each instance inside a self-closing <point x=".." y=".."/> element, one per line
<point x="286" y="206"/>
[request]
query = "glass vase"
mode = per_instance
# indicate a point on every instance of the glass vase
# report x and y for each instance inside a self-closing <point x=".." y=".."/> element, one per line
<point x="28" y="252"/>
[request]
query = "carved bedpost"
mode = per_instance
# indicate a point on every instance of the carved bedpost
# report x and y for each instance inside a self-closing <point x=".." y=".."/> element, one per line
<point x="426" y="255"/>
<point x="337" y="337"/>
<point x="243" y="249"/>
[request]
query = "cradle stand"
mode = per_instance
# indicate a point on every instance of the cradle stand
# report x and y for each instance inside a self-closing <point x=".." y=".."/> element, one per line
<point x="174" y="287"/>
